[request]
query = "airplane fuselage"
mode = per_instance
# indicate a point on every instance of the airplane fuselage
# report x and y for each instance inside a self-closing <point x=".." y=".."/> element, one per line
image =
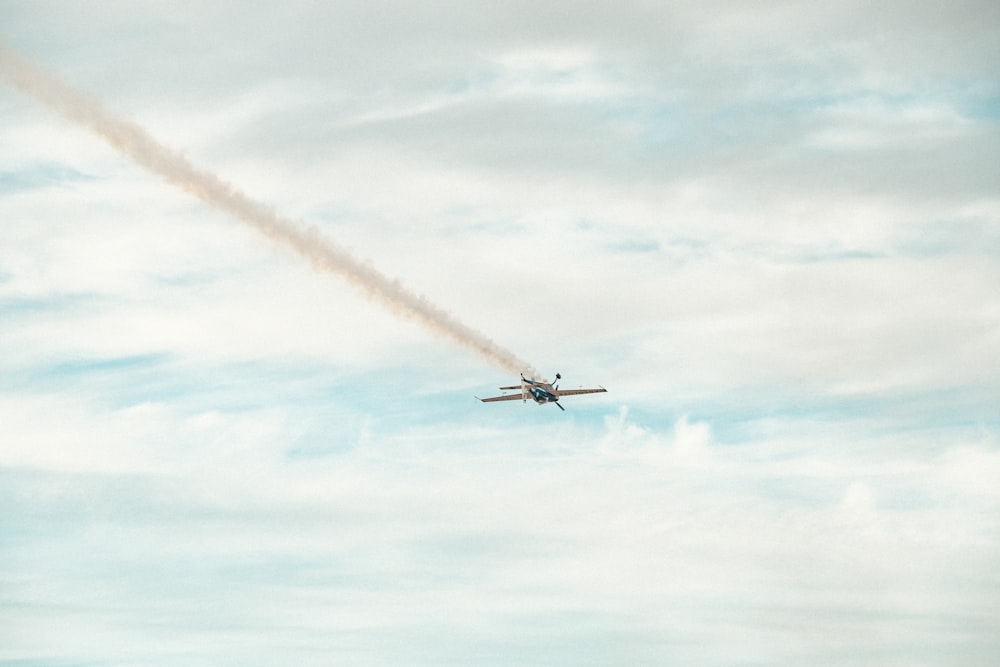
<point x="541" y="395"/>
<point x="540" y="392"/>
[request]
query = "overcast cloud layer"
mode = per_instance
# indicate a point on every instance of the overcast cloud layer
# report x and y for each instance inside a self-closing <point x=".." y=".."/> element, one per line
<point x="773" y="233"/>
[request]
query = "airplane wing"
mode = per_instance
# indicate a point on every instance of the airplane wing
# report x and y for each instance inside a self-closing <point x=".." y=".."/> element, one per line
<point x="518" y="387"/>
<point x="574" y="392"/>
<point x="508" y="397"/>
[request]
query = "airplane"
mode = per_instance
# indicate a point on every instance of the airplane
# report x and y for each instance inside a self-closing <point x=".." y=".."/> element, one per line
<point x="540" y="391"/>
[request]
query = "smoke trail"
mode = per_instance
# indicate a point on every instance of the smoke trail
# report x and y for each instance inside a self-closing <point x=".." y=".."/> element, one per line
<point x="136" y="143"/>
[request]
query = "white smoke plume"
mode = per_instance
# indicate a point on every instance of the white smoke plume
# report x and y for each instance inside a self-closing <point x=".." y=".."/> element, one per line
<point x="134" y="142"/>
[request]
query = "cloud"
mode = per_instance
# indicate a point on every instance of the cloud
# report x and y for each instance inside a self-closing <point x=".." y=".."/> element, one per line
<point x="133" y="142"/>
<point x="770" y="234"/>
<point x="514" y="549"/>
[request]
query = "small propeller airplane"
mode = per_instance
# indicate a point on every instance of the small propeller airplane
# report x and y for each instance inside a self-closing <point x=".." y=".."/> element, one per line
<point x="540" y="391"/>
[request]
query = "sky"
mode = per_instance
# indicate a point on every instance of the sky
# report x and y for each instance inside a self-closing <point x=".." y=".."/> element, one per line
<point x="772" y="232"/>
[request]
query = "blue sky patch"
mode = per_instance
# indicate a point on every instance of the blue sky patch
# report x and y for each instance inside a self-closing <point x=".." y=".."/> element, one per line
<point x="39" y="176"/>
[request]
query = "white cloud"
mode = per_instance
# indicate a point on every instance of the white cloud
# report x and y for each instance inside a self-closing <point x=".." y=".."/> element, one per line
<point x="523" y="543"/>
<point x="769" y="233"/>
<point x="873" y="125"/>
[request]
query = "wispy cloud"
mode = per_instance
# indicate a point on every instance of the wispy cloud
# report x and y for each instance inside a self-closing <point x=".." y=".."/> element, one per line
<point x="135" y="143"/>
<point x="518" y="541"/>
<point x="770" y="232"/>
